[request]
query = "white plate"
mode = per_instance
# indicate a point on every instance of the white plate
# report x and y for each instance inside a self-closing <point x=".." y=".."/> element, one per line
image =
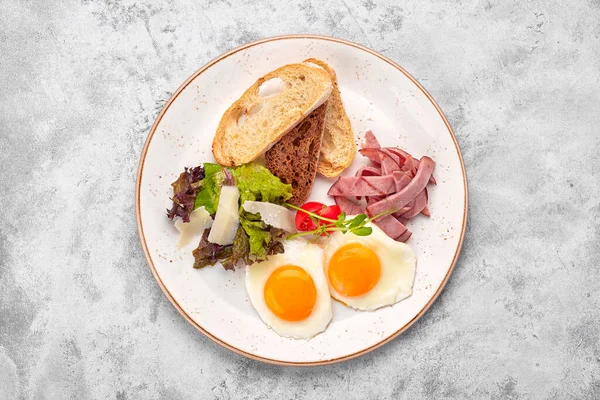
<point x="378" y="95"/>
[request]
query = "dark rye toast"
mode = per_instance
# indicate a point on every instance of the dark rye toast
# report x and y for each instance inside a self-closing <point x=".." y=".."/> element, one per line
<point x="295" y="157"/>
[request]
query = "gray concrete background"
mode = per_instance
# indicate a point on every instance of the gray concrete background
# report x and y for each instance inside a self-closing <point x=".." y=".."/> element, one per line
<point x="80" y="313"/>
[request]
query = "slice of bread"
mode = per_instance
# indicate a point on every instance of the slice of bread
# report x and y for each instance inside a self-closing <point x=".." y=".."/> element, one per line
<point x="269" y="109"/>
<point x="295" y="157"/>
<point x="338" y="148"/>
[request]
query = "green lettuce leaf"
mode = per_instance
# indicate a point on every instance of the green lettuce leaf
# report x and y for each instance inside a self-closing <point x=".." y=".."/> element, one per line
<point x="257" y="183"/>
<point x="259" y="237"/>
<point x="208" y="196"/>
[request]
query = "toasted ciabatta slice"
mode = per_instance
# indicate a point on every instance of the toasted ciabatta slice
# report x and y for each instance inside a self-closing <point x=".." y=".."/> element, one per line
<point x="269" y="109"/>
<point x="338" y="148"/>
<point x="295" y="157"/>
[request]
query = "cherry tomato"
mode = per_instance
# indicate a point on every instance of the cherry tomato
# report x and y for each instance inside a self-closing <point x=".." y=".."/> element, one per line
<point x="331" y="212"/>
<point x="304" y="221"/>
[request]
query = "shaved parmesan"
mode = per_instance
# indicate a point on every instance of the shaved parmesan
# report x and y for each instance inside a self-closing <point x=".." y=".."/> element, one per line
<point x="199" y="221"/>
<point x="272" y="214"/>
<point x="227" y="217"/>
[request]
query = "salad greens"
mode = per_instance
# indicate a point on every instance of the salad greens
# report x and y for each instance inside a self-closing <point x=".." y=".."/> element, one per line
<point x="208" y="196"/>
<point x="257" y="183"/>
<point x="185" y="190"/>
<point x="209" y="253"/>
<point x="254" y="240"/>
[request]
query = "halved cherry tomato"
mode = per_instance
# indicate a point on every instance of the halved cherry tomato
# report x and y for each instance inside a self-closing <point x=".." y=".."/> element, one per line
<point x="331" y="212"/>
<point x="305" y="223"/>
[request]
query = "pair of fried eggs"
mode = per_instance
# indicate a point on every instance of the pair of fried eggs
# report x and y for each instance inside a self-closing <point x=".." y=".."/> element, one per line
<point x="292" y="292"/>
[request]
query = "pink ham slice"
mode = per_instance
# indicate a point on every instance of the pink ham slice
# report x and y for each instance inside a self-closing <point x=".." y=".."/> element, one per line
<point x="395" y="180"/>
<point x="410" y="164"/>
<point x="372" y="155"/>
<point x="402" y="220"/>
<point x="373" y="199"/>
<point x="348" y="206"/>
<point x="419" y="204"/>
<point x="388" y="165"/>
<point x="391" y="226"/>
<point x="399" y="152"/>
<point x="368" y="185"/>
<point x="401" y="180"/>
<point x="384" y="159"/>
<point x="390" y="162"/>
<point x="402" y="211"/>
<point x="367" y="170"/>
<point x="363" y="186"/>
<point x="403" y="156"/>
<point x="398" y="200"/>
<point x="404" y="237"/>
<point x="371" y="141"/>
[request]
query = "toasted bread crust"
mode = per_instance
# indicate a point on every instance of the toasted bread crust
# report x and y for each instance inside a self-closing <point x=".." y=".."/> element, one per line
<point x="294" y="158"/>
<point x="253" y="123"/>
<point x="338" y="148"/>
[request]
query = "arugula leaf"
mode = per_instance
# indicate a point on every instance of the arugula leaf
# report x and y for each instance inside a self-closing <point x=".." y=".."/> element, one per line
<point x="208" y="196"/>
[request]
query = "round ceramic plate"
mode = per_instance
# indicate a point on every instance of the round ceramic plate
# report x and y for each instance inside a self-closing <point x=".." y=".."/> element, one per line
<point x="378" y="95"/>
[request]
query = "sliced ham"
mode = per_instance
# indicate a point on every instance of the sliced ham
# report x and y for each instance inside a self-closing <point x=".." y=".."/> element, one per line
<point x="387" y="153"/>
<point x="373" y="199"/>
<point x="402" y="220"/>
<point x="395" y="181"/>
<point x="372" y="155"/>
<point x="391" y="226"/>
<point x="388" y="165"/>
<point x="348" y="206"/>
<point x="363" y="186"/>
<point x="404" y="155"/>
<point x="371" y="141"/>
<point x="404" y="237"/>
<point x="401" y="179"/>
<point x="410" y="164"/>
<point x="367" y="170"/>
<point x="402" y="211"/>
<point x="418" y="205"/>
<point x="398" y="200"/>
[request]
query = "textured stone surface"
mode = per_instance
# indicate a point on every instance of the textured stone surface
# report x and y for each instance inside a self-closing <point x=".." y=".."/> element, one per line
<point x="80" y="313"/>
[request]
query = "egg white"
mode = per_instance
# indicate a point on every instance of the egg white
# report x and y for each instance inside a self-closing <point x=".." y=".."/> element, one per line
<point x="398" y="266"/>
<point x="310" y="258"/>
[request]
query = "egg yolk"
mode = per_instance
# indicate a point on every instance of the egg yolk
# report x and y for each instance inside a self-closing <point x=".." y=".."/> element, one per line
<point x="354" y="269"/>
<point x="290" y="293"/>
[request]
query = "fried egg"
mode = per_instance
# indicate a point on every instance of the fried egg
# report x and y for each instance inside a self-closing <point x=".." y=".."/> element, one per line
<point x="369" y="272"/>
<point x="289" y="291"/>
